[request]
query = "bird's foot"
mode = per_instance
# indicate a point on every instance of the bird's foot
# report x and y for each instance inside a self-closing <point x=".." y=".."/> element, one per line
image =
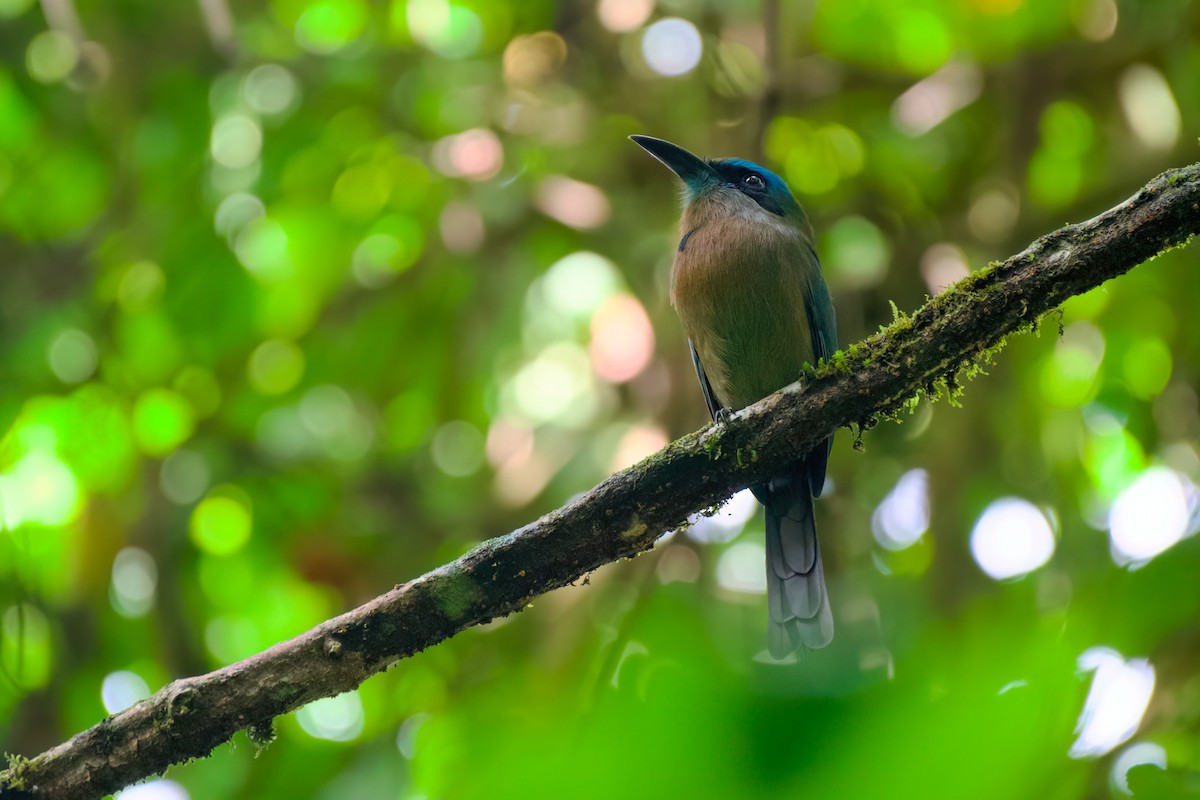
<point x="723" y="416"/>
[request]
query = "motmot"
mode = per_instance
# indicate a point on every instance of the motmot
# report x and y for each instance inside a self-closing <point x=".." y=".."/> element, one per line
<point x="747" y="285"/>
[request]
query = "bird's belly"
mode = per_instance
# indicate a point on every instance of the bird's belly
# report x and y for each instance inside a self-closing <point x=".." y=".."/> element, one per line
<point x="751" y="358"/>
<point x="745" y="315"/>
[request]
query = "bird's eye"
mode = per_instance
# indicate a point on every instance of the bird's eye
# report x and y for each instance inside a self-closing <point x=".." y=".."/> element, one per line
<point x="753" y="181"/>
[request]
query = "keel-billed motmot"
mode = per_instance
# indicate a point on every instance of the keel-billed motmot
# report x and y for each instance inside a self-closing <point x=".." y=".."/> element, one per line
<point x="748" y="288"/>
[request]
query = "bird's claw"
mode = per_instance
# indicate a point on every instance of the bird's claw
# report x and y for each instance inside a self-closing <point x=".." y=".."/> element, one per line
<point x="723" y="416"/>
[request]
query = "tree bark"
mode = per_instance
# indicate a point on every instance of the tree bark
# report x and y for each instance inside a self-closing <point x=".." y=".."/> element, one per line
<point x="927" y="353"/>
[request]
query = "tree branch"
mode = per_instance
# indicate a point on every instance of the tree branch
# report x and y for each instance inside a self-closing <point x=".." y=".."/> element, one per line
<point x="625" y="514"/>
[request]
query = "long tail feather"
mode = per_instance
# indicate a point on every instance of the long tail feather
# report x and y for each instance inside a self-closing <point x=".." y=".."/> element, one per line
<point x="796" y="594"/>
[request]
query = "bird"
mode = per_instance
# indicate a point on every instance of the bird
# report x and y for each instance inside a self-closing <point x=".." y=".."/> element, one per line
<point x="747" y="286"/>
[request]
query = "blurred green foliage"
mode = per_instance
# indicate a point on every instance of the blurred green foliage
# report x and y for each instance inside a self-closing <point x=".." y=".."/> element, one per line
<point x="300" y="299"/>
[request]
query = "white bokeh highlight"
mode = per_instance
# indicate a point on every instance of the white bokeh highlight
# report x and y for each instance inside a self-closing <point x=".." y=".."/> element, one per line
<point x="1120" y="693"/>
<point x="672" y="47"/>
<point x="742" y="568"/>
<point x="270" y="89"/>
<point x="1011" y="538"/>
<point x="1150" y="107"/>
<point x="1150" y="516"/>
<point x="903" y="517"/>
<point x="236" y="141"/>
<point x="134" y="582"/>
<point x="1135" y="756"/>
<point x="727" y="523"/>
<point x="338" y="719"/>
<point x="156" y="789"/>
<point x="406" y="735"/>
<point x="122" y="689"/>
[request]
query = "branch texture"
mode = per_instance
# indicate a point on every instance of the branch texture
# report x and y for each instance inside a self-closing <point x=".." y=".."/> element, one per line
<point x="625" y="514"/>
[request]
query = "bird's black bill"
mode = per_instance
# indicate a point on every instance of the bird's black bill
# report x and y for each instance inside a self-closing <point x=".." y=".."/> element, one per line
<point x="691" y="170"/>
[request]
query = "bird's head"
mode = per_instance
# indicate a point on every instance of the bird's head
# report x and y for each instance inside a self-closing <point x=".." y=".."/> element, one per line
<point x="730" y="178"/>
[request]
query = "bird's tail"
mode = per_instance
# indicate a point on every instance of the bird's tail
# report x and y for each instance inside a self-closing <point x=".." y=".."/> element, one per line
<point x="796" y="594"/>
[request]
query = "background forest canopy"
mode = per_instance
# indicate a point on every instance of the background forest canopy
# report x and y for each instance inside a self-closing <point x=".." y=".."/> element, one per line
<point x="300" y="299"/>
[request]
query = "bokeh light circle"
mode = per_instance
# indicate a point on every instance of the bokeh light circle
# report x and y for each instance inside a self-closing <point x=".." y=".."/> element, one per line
<point x="672" y="47"/>
<point x="1011" y="538"/>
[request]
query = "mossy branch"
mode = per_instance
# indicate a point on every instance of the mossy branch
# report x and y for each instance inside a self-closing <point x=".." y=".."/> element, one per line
<point x="926" y="352"/>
